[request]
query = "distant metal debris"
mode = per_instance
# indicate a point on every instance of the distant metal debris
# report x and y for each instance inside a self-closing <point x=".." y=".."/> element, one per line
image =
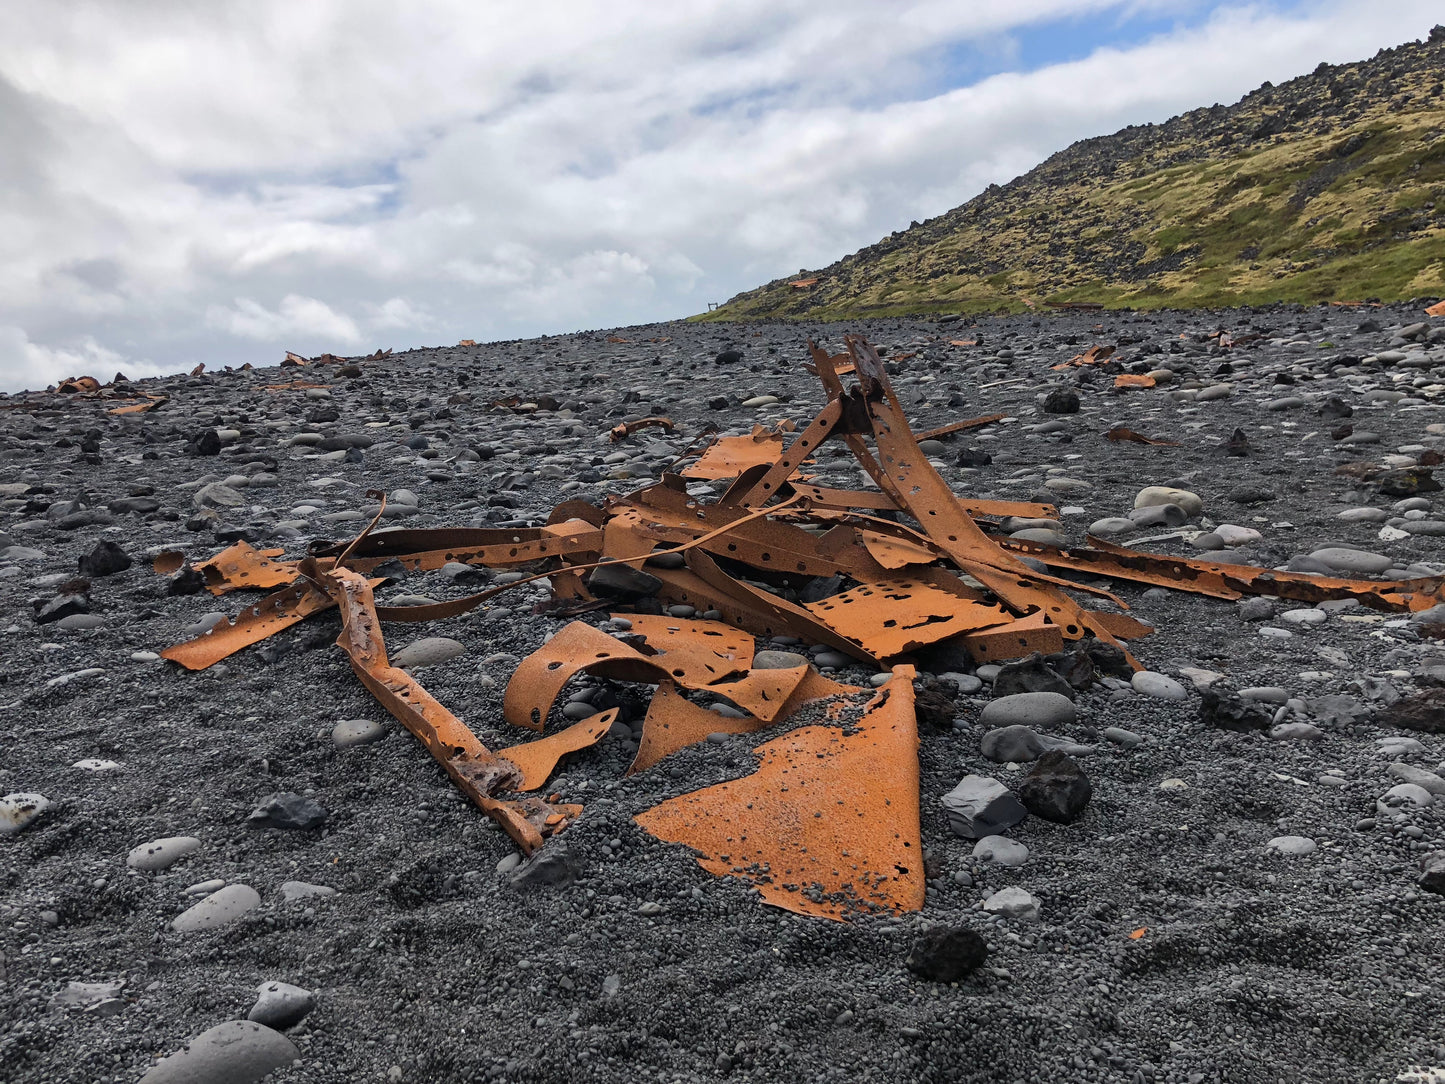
<point x="828" y="823"/>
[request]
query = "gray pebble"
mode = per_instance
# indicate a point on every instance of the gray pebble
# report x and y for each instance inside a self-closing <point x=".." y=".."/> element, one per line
<point x="217" y="909"/>
<point x="1045" y="709"/>
<point x="236" y="1052"/>
<point x="161" y="854"/>
<point x="349" y="732"/>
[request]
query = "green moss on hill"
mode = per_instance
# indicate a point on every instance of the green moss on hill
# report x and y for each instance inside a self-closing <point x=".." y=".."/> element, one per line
<point x="1330" y="187"/>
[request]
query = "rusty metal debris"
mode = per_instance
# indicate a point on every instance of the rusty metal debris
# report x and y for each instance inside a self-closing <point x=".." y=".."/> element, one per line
<point x="626" y="429"/>
<point x="828" y="824"/>
<point x="1133" y="380"/>
<point x="1436" y="309"/>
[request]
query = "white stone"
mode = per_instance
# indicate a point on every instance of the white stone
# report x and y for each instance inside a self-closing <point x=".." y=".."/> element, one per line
<point x="236" y="1052"/>
<point x="1159" y="686"/>
<point x="18" y="811"/>
<point x="217" y="909"/>
<point x="1292" y="845"/>
<point x="1013" y="902"/>
<point x="1153" y="496"/>
<point x="161" y="854"/>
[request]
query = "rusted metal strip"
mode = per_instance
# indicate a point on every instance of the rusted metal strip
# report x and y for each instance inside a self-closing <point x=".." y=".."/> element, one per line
<point x="727" y="457"/>
<point x="829" y="823"/>
<point x="626" y="429"/>
<point x="541" y="675"/>
<point x="475" y="770"/>
<point x="277" y="611"/>
<point x="804" y="445"/>
<point x="959" y="427"/>
<point x="428" y="550"/>
<point x="1210" y="577"/>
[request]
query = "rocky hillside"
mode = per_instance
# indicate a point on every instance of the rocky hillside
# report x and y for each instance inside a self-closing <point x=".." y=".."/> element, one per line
<point x="1330" y="187"/>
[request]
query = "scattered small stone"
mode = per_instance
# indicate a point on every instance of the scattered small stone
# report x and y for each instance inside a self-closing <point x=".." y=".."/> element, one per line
<point x="431" y="651"/>
<point x="281" y="1005"/>
<point x="1001" y="851"/>
<point x="350" y="732"/>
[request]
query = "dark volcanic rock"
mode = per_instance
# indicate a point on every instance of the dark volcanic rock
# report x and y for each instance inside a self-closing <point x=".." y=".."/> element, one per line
<point x="1056" y="788"/>
<point x="1424" y="712"/>
<point x="1226" y="711"/>
<point x="1030" y="675"/>
<point x="946" y="954"/>
<point x="105" y="560"/>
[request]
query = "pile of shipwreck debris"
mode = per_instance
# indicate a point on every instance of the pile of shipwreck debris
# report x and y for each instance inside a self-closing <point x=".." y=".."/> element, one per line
<point x="828" y="824"/>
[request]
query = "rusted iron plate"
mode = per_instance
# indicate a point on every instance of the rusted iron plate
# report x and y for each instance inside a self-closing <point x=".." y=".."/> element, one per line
<point x="782" y="468"/>
<point x="241" y="565"/>
<point x="1014" y="639"/>
<point x="1140" y="568"/>
<point x="149" y="403"/>
<point x="695" y="651"/>
<point x="895" y="617"/>
<point x="1133" y="380"/>
<point x="673" y="722"/>
<point x="895" y="553"/>
<point x="727" y="457"/>
<point x="168" y="563"/>
<point x="763" y="693"/>
<point x="537" y="760"/>
<point x="277" y="611"/>
<point x="828" y="825"/>
<point x="541" y="675"/>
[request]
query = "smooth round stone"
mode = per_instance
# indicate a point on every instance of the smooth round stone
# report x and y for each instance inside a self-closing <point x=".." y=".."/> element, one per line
<point x="682" y="611"/>
<point x="1153" y="496"/>
<point x="1268" y="694"/>
<point x="1213" y="392"/>
<point x="161" y="854"/>
<point x="217" y="909"/>
<point x="778" y="660"/>
<point x="1207" y="541"/>
<point x="1111" y="526"/>
<point x="351" y="732"/>
<point x="1289" y="402"/>
<point x="1421" y="777"/>
<point x="760" y="400"/>
<point x="1042" y="709"/>
<point x="236" y="1052"/>
<point x="1269" y="632"/>
<point x="301" y="890"/>
<point x="80" y="622"/>
<point x="1292" y="845"/>
<point x="1001" y="851"/>
<point x="1432" y="528"/>
<point x="577" y="710"/>
<point x="1032" y="534"/>
<point x="1233" y="535"/>
<point x="1296" y="731"/>
<point x="1305" y="616"/>
<point x="96" y="764"/>
<point x="987" y="672"/>
<point x="1119" y="736"/>
<point x="144" y="656"/>
<point x="1404" y="794"/>
<point x="428" y="652"/>
<point x="1343" y="560"/>
<point x="967" y="683"/>
<point x="1363" y="515"/>
<point x="832" y="659"/>
<point x="1159" y="686"/>
<point x="19" y="810"/>
<point x="1173" y="784"/>
<point x="205" y="888"/>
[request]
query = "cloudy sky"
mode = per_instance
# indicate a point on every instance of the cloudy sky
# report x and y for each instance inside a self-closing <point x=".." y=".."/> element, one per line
<point x="222" y="182"/>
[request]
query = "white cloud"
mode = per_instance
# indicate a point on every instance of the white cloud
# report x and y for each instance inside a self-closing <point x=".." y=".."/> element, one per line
<point x="296" y="316"/>
<point x="35" y="366"/>
<point x="183" y="183"/>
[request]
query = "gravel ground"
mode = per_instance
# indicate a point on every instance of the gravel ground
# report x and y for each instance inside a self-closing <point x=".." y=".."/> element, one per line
<point x="1172" y="944"/>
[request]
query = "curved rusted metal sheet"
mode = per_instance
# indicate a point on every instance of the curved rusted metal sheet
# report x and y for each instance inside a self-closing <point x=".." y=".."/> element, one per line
<point x="537" y="760"/>
<point x="828" y="825"/>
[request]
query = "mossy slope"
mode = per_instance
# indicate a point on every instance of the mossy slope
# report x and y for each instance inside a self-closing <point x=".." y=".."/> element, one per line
<point x="1330" y="187"/>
